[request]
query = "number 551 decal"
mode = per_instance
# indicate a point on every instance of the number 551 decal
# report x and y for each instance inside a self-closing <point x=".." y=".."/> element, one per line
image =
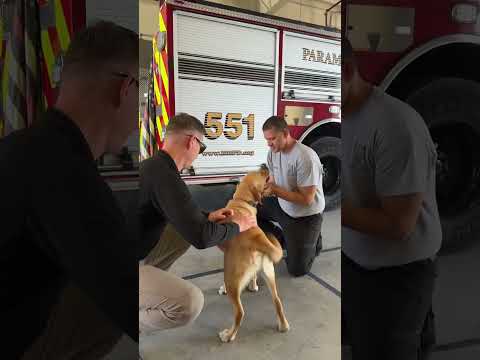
<point x="233" y="128"/>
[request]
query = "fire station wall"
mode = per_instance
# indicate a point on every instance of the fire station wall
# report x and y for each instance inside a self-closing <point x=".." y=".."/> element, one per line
<point x="123" y="12"/>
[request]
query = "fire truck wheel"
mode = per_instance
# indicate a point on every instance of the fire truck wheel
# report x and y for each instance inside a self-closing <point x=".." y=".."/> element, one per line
<point x="329" y="150"/>
<point x="449" y="107"/>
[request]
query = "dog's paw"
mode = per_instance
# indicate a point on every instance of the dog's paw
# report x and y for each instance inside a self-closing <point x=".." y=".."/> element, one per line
<point x="226" y="335"/>
<point x="222" y="290"/>
<point x="283" y="327"/>
<point x="253" y="287"/>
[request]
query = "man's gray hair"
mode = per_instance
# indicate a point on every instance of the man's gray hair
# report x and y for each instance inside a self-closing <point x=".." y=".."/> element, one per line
<point x="183" y="123"/>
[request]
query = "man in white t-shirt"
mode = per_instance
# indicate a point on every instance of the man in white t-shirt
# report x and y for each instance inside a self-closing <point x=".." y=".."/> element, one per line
<point x="391" y="230"/>
<point x="298" y="202"/>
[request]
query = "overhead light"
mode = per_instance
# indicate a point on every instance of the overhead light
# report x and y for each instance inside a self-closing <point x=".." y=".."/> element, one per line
<point x="465" y="13"/>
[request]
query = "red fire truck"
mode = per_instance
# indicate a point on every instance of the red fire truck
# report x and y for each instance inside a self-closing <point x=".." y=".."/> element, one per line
<point x="233" y="69"/>
<point x="427" y="54"/>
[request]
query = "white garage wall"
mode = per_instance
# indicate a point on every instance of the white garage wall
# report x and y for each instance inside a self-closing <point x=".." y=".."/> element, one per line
<point x="124" y="12"/>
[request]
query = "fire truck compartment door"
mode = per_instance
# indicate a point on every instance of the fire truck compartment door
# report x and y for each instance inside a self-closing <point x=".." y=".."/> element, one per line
<point x="226" y="76"/>
<point x="311" y="67"/>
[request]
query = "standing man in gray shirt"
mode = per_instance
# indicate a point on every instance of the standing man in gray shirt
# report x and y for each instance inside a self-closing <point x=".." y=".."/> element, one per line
<point x="298" y="202"/>
<point x="391" y="230"/>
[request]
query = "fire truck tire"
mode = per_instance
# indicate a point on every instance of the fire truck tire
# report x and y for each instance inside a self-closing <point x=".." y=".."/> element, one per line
<point x="449" y="107"/>
<point x="329" y="150"/>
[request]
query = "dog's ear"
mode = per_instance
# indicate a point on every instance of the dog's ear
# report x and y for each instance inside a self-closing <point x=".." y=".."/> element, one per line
<point x="264" y="170"/>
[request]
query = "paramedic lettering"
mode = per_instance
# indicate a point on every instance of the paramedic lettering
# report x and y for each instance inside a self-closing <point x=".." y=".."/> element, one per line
<point x="320" y="56"/>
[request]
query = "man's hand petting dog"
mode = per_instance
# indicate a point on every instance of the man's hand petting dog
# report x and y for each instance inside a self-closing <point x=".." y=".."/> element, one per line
<point x="220" y="214"/>
<point x="270" y="187"/>
<point x="244" y="222"/>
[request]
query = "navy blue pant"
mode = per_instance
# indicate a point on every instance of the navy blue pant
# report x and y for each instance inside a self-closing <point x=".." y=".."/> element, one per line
<point x="385" y="311"/>
<point x="301" y="237"/>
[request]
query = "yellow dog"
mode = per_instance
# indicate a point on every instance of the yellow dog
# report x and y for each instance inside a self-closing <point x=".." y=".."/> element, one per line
<point x="248" y="253"/>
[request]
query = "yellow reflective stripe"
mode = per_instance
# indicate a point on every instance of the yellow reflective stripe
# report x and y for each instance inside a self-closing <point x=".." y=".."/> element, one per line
<point x="141" y="136"/>
<point x="157" y="57"/>
<point x="156" y="88"/>
<point x="154" y="46"/>
<point x="161" y="23"/>
<point x="48" y="54"/>
<point x="164" y="114"/>
<point x="159" y="128"/>
<point x="164" y="75"/>
<point x="61" y="24"/>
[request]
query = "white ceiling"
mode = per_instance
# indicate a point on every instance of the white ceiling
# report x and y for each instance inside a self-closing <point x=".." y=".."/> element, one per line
<point x="310" y="11"/>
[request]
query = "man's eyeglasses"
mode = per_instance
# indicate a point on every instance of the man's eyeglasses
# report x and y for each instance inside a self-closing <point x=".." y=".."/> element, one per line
<point x="203" y="147"/>
<point x="125" y="75"/>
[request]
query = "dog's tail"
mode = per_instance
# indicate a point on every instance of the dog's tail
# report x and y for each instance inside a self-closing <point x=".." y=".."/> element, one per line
<point x="272" y="248"/>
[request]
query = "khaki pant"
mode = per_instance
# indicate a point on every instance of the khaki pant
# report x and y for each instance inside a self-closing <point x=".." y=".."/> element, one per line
<point x="76" y="330"/>
<point x="165" y="300"/>
<point x="167" y="250"/>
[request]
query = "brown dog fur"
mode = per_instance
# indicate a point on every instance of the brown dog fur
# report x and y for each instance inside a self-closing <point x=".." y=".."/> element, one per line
<point x="248" y="253"/>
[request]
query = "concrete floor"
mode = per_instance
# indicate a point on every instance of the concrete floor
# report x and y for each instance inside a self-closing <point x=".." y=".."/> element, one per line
<point x="456" y="304"/>
<point x="312" y="306"/>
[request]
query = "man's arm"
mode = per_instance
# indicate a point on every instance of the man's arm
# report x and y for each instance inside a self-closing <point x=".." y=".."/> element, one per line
<point x="172" y="197"/>
<point x="395" y="219"/>
<point x="403" y="163"/>
<point x="308" y="176"/>
<point x="303" y="196"/>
